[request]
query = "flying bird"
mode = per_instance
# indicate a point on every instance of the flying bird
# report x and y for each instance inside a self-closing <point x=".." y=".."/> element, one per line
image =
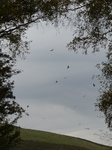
<point x="93" y="84"/>
<point x="87" y="128"/>
<point x="51" y="50"/>
<point x="56" y="81"/>
<point x="27" y="106"/>
<point x="68" y="67"/>
<point x="84" y="95"/>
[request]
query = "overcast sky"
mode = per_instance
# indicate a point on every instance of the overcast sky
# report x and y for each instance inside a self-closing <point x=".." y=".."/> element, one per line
<point x="60" y="99"/>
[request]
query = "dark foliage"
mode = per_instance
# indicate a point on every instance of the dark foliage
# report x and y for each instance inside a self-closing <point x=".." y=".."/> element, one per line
<point x="91" y="21"/>
<point x="10" y="111"/>
<point x="104" y="102"/>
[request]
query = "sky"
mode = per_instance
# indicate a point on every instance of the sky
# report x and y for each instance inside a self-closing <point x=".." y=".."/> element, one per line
<point x="61" y="99"/>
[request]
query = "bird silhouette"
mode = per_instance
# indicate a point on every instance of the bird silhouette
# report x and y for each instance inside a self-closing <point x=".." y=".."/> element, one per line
<point x="84" y="95"/>
<point x="51" y="50"/>
<point x="87" y="128"/>
<point x="68" y="67"/>
<point x="93" y="84"/>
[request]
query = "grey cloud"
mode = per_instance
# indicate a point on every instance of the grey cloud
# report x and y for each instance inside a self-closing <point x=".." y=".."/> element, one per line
<point x="63" y="105"/>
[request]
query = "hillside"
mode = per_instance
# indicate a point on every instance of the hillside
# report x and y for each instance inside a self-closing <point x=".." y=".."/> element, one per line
<point x="40" y="140"/>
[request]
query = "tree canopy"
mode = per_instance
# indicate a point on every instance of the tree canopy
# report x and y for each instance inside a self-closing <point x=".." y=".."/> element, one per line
<point x="10" y="110"/>
<point x="17" y="15"/>
<point x="91" y="22"/>
<point x="104" y="101"/>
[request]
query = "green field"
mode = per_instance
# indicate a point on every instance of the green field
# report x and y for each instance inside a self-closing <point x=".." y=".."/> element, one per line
<point x="39" y="140"/>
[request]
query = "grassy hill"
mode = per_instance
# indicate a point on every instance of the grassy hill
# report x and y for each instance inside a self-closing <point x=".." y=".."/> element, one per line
<point x="40" y="140"/>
